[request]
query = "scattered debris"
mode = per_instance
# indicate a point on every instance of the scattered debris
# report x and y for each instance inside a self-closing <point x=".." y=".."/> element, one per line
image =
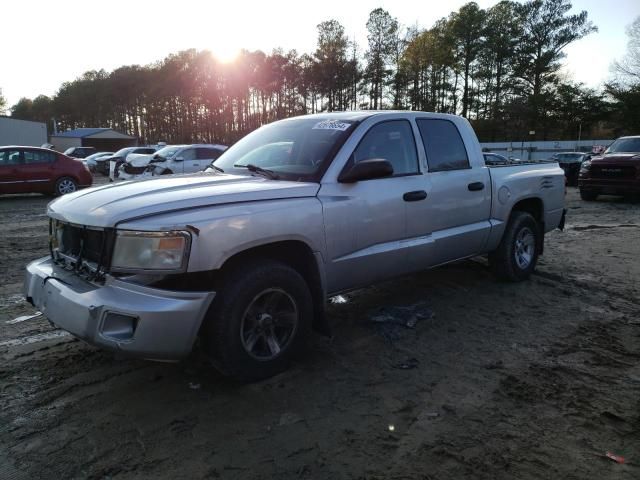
<point x="289" y="418"/>
<point x="339" y="299"/>
<point x="389" y="319"/>
<point x="23" y="318"/>
<point x="40" y="337"/>
<point x="194" y="386"/>
<point x="614" y="457"/>
<point x="408" y="364"/>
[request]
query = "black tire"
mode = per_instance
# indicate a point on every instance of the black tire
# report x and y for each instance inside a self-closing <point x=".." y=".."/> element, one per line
<point x="167" y="172"/>
<point x="244" y="313"/>
<point x="588" y="195"/>
<point x="65" y="185"/>
<point x="515" y="258"/>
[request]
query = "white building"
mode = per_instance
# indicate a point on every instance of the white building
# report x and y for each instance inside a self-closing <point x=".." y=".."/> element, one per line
<point x="22" y="132"/>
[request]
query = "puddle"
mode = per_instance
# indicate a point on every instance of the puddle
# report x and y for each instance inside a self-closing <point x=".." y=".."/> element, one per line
<point x="40" y="337"/>
<point x="23" y="318"/>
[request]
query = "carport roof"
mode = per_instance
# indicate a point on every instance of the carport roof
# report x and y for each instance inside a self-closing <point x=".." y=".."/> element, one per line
<point x="87" y="132"/>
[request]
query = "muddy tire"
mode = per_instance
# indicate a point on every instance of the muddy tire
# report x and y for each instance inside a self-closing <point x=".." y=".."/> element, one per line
<point x="259" y="321"/>
<point x="65" y="185"/>
<point x="515" y="258"/>
<point x="588" y="195"/>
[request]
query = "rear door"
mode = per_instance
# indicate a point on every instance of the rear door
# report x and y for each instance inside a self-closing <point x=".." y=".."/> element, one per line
<point x="11" y="180"/>
<point x="456" y="214"/>
<point x="38" y="169"/>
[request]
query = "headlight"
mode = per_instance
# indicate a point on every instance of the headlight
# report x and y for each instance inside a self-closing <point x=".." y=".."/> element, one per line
<point x="166" y="252"/>
<point x="585" y="166"/>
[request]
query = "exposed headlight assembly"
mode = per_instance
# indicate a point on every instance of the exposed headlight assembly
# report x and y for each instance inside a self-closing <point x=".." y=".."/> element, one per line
<point x="154" y="252"/>
<point x="585" y="166"/>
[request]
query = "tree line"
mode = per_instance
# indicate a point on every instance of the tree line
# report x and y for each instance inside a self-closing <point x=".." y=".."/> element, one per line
<point x="499" y="67"/>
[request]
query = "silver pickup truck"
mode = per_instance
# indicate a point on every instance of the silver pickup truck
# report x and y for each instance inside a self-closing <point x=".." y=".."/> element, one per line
<point x="243" y="256"/>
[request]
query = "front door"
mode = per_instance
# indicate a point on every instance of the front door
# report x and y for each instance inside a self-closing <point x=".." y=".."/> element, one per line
<point x="366" y="221"/>
<point x="190" y="162"/>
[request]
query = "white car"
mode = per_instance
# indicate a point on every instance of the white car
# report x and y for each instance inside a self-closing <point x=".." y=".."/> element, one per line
<point x="90" y="161"/>
<point x="180" y="159"/>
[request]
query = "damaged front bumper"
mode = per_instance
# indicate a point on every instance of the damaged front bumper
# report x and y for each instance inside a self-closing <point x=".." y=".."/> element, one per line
<point x="142" y="321"/>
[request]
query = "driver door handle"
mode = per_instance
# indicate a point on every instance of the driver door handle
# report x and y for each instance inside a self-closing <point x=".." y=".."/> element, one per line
<point x="414" y="196"/>
<point x="475" y="186"/>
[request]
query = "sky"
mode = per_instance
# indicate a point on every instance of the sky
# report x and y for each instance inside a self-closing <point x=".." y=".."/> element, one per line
<point x="45" y="43"/>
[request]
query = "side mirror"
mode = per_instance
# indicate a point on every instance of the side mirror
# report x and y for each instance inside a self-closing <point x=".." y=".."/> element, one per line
<point x="367" y="170"/>
<point x="179" y="159"/>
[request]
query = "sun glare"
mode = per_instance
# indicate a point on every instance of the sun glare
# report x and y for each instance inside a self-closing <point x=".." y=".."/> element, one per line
<point x="225" y="53"/>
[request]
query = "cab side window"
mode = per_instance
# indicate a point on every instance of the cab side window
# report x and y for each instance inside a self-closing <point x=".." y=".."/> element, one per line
<point x="207" y="153"/>
<point x="392" y="141"/>
<point x="189" y="154"/>
<point x="443" y="145"/>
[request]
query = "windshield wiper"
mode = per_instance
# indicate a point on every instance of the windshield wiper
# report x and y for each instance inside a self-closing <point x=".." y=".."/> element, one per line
<point x="216" y="168"/>
<point x="270" y="174"/>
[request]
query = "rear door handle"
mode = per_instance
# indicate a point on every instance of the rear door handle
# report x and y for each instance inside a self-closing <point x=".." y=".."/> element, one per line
<point x="414" y="196"/>
<point x="475" y="186"/>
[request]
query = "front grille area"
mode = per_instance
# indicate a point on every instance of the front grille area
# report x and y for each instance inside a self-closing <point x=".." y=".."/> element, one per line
<point x="84" y="249"/>
<point x="604" y="171"/>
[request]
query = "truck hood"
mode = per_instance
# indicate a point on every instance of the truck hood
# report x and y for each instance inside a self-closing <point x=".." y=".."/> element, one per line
<point x="630" y="159"/>
<point x="108" y="205"/>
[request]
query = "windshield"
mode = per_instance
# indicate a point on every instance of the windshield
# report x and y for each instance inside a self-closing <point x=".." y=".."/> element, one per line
<point x="295" y="149"/>
<point x="167" y="152"/>
<point x="624" y="145"/>
<point x="69" y="150"/>
<point x="123" y="151"/>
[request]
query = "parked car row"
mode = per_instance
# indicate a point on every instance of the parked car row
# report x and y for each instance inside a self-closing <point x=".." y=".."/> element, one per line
<point x="169" y="160"/>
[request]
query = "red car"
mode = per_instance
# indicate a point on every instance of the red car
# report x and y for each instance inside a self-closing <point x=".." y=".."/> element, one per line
<point x="39" y="170"/>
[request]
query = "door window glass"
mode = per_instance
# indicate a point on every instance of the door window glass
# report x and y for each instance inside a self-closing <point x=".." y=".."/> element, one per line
<point x="392" y="141"/>
<point x="443" y="145"/>
<point x="10" y="157"/>
<point x="35" y="156"/>
<point x="189" y="154"/>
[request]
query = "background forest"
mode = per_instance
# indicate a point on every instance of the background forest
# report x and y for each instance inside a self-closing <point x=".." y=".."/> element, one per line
<point x="499" y="67"/>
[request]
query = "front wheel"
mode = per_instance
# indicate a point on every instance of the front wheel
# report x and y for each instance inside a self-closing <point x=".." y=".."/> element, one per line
<point x="516" y="256"/>
<point x="65" y="185"/>
<point x="259" y="321"/>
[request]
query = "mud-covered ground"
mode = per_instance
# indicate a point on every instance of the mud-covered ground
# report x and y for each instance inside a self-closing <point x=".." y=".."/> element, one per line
<point x="495" y="381"/>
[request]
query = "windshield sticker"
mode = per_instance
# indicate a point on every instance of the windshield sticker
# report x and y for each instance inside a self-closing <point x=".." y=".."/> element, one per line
<point x="331" y="125"/>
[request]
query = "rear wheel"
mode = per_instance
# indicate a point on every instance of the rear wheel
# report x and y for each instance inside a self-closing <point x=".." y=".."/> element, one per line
<point x="259" y="321"/>
<point x="517" y="255"/>
<point x="65" y="185"/>
<point x="588" y="195"/>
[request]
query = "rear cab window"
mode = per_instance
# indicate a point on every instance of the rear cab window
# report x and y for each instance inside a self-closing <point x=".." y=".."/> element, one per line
<point x="443" y="145"/>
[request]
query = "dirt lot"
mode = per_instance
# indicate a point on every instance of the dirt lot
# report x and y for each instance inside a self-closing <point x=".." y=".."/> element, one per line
<point x="495" y="381"/>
